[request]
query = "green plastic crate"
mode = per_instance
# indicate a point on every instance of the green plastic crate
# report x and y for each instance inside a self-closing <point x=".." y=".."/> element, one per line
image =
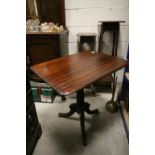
<point x="35" y="94"/>
<point x="41" y="92"/>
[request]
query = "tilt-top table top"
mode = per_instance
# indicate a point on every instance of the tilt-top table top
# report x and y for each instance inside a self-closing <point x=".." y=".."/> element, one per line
<point x="70" y="73"/>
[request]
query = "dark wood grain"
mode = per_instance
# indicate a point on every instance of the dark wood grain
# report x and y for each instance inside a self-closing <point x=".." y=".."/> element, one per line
<point x="71" y="73"/>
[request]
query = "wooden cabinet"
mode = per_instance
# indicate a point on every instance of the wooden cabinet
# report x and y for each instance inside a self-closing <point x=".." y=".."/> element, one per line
<point x="46" y="10"/>
<point x="52" y="11"/>
<point x="33" y="128"/>
<point x="43" y="46"/>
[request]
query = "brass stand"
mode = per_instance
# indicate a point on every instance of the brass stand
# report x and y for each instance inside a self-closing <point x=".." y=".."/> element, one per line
<point x="112" y="26"/>
<point x="111" y="106"/>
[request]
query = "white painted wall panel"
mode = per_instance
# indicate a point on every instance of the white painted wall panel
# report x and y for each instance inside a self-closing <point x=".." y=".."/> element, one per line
<point x="122" y="49"/>
<point x="79" y="17"/>
<point x="73" y="48"/>
<point x="74" y="4"/>
<point x="110" y="3"/>
<point x="73" y="31"/>
<point x="106" y="14"/>
<point x="119" y="75"/>
<point x="124" y="33"/>
<point x="91" y="17"/>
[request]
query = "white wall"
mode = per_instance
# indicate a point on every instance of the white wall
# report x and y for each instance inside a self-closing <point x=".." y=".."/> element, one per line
<point x="84" y="16"/>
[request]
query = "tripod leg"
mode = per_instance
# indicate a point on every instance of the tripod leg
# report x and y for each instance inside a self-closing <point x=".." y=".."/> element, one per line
<point x="80" y="102"/>
<point x="73" y="108"/>
<point x="63" y="98"/>
<point x="86" y="108"/>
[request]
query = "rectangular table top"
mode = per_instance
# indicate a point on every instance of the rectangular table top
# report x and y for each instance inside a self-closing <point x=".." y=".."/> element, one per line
<point x="71" y="73"/>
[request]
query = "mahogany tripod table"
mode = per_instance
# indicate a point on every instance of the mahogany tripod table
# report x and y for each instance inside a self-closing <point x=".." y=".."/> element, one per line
<point x="72" y="73"/>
